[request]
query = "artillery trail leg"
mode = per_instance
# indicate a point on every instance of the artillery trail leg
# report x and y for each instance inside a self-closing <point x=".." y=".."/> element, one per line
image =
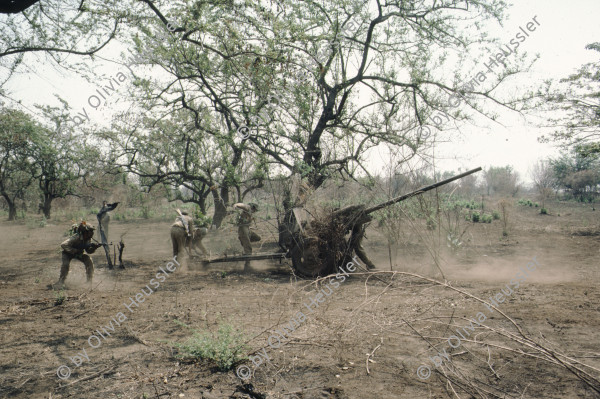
<point x="105" y="245"/>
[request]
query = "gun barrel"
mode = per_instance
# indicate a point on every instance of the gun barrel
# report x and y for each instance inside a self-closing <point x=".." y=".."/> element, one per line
<point x="419" y="191"/>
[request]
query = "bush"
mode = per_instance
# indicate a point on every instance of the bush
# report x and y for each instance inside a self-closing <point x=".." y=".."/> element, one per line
<point x="486" y="219"/>
<point x="544" y="211"/>
<point x="536" y="205"/>
<point x="225" y="348"/>
<point x="475" y="217"/>
<point x="496" y="215"/>
<point x="525" y="202"/>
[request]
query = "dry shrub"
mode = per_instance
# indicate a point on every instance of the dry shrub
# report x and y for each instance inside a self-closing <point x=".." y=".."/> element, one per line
<point x="505" y="207"/>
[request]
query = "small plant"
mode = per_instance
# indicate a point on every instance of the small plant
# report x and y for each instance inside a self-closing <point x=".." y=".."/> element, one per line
<point x="43" y="222"/>
<point x="475" y="217"/>
<point x="536" y="205"/>
<point x="453" y="242"/>
<point x="496" y="215"/>
<point x="37" y="280"/>
<point x="59" y="297"/>
<point x="223" y="274"/>
<point x="225" y="348"/>
<point x="544" y="211"/>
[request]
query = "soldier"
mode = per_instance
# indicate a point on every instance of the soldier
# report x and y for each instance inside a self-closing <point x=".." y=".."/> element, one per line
<point x="199" y="234"/>
<point x="246" y="236"/>
<point x="358" y="233"/>
<point x="181" y="233"/>
<point x="244" y="220"/>
<point x="73" y="248"/>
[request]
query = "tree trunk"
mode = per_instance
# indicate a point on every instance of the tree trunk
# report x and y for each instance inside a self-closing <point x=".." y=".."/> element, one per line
<point x="200" y="200"/>
<point x="12" y="211"/>
<point x="220" y="206"/>
<point x="12" y="208"/>
<point x="47" y="206"/>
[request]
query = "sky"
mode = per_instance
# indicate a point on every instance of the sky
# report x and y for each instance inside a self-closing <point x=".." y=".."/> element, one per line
<point x="565" y="29"/>
<point x="560" y="39"/>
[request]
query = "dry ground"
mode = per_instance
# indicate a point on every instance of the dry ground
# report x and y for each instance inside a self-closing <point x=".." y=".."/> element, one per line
<point x="328" y="355"/>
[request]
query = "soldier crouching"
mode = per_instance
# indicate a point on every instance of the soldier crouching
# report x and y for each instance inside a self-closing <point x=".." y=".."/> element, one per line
<point x="73" y="248"/>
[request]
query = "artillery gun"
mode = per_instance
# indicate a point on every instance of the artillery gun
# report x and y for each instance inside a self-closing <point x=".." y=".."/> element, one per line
<point x="317" y="246"/>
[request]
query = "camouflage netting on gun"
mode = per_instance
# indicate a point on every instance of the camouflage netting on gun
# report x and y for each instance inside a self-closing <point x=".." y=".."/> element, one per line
<point x="327" y="239"/>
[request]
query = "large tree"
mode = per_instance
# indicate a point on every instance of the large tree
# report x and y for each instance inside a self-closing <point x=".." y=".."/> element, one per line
<point x="347" y="76"/>
<point x="193" y="164"/>
<point x="577" y="100"/>
<point x="60" y="32"/>
<point x="16" y="132"/>
<point x="578" y="172"/>
<point x="502" y="180"/>
<point x="60" y="165"/>
<point x="544" y="179"/>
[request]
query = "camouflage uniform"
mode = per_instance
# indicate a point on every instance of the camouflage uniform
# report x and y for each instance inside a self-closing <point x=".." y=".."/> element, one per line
<point x="243" y="222"/>
<point x="73" y="248"/>
<point x="181" y="233"/>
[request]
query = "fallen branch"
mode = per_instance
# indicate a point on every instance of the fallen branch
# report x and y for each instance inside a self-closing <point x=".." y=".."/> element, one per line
<point x="106" y="370"/>
<point x="369" y="355"/>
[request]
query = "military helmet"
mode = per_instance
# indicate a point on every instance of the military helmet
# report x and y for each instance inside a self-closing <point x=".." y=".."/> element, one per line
<point x="84" y="227"/>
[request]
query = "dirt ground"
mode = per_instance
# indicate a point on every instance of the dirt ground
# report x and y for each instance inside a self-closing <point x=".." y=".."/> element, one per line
<point x="367" y="339"/>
